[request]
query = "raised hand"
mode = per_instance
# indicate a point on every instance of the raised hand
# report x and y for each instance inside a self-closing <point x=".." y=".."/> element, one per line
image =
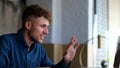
<point x="70" y="50"/>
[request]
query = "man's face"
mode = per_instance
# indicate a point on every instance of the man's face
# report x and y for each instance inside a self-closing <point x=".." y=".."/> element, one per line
<point x="39" y="28"/>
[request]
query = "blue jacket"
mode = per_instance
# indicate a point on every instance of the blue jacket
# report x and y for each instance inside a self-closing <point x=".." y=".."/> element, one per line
<point x="14" y="53"/>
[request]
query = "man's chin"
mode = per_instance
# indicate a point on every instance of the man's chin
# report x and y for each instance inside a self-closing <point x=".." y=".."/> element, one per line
<point x="41" y="41"/>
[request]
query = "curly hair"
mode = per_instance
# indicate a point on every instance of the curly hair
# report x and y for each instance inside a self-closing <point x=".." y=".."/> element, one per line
<point x="35" y="11"/>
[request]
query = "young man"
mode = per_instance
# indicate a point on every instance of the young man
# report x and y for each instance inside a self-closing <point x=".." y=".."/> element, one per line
<point x="24" y="49"/>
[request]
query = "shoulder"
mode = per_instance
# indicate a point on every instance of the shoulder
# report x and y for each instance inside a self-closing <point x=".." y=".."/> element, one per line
<point x="5" y="41"/>
<point x="7" y="36"/>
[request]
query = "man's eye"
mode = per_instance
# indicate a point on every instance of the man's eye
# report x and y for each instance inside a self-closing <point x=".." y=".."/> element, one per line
<point x="43" y="25"/>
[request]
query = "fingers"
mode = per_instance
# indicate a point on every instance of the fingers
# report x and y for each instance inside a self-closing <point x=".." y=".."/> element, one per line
<point x="73" y="40"/>
<point x="76" y="47"/>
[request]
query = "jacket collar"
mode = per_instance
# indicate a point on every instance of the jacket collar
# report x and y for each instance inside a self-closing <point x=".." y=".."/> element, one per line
<point x="22" y="40"/>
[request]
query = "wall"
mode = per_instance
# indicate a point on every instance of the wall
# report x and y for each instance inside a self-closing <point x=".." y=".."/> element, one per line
<point x="101" y="28"/>
<point x="90" y="47"/>
<point x="98" y="25"/>
<point x="9" y="16"/>
<point x="72" y="20"/>
<point x="114" y="28"/>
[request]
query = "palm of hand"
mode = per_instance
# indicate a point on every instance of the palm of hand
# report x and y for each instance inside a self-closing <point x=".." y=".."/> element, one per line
<point x="70" y="50"/>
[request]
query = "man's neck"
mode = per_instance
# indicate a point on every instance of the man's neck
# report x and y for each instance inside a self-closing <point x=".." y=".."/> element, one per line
<point x="28" y="40"/>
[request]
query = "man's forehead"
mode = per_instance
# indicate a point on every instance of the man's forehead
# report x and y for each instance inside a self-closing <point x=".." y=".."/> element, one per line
<point x="42" y="20"/>
<point x="39" y="19"/>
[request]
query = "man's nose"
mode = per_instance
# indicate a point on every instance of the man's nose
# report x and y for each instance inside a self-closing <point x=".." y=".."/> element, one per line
<point x="46" y="31"/>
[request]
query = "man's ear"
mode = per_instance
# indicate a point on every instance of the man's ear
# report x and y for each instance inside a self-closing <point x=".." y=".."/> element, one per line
<point x="28" y="25"/>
